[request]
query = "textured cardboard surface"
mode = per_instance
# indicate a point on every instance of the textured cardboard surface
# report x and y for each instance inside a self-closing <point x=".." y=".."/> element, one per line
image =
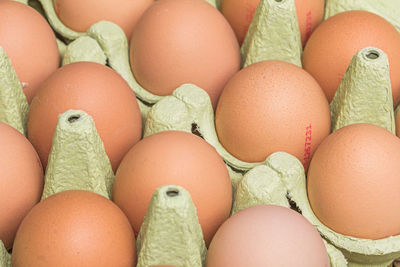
<point x="77" y="159"/>
<point x="365" y="93"/>
<point x="170" y="233"/>
<point x="5" y="257"/>
<point x="273" y="34"/>
<point x="13" y="104"/>
<point x="84" y="48"/>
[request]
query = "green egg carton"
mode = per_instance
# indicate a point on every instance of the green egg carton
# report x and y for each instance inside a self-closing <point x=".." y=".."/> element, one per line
<point x="13" y="103"/>
<point x="78" y="160"/>
<point x="171" y="233"/>
<point x="364" y="96"/>
<point x="388" y="9"/>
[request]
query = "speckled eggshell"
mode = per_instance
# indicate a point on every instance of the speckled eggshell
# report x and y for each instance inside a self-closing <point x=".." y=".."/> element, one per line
<point x="183" y="41"/>
<point x="336" y="40"/>
<point x="75" y="228"/>
<point x="21" y="181"/>
<point x="80" y="15"/>
<point x="353" y="182"/>
<point x="267" y="235"/>
<point x="99" y="91"/>
<point x="272" y="106"/>
<point x="30" y="44"/>
<point x="240" y="14"/>
<point x="178" y="158"/>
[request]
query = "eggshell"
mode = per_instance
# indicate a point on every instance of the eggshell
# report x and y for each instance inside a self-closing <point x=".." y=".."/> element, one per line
<point x="29" y="43"/>
<point x="183" y="41"/>
<point x="335" y="41"/>
<point x="267" y="235"/>
<point x="99" y="91"/>
<point x="75" y="228"/>
<point x="80" y="15"/>
<point x="21" y="181"/>
<point x="353" y="182"/>
<point x="179" y="158"/>
<point x="240" y="14"/>
<point x="272" y="106"/>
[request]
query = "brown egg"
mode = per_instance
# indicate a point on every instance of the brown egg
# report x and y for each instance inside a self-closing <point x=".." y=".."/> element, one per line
<point x="353" y="182"/>
<point x="240" y="14"/>
<point x="21" y="181"/>
<point x="179" y="158"/>
<point x="80" y="15"/>
<point x="29" y="43"/>
<point x="75" y="228"/>
<point x="96" y="89"/>
<point x="272" y="106"/>
<point x="335" y="41"/>
<point x="267" y="235"/>
<point x="183" y="41"/>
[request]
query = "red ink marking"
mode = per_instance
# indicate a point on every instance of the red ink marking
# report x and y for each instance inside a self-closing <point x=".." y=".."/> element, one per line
<point x="248" y="18"/>
<point x="308" y="24"/>
<point x="307" y="147"/>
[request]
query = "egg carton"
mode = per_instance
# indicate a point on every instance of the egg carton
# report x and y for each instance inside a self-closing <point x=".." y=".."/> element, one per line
<point x="106" y="43"/>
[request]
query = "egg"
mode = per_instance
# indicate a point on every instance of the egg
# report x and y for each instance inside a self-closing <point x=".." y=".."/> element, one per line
<point x="95" y="89"/>
<point x="336" y="40"/>
<point x="30" y="44"/>
<point x="75" y="228"/>
<point x="21" y="181"/>
<point x="179" y="158"/>
<point x="267" y="235"/>
<point x="353" y="182"/>
<point x="80" y="15"/>
<point x="272" y="106"/>
<point x="183" y="41"/>
<point x="240" y="14"/>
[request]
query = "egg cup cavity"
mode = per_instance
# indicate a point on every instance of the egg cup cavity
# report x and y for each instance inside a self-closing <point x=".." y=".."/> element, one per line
<point x="365" y="94"/>
<point x="388" y="9"/>
<point x="277" y="182"/>
<point x="273" y="34"/>
<point x="84" y="48"/>
<point x="77" y="159"/>
<point x="171" y="224"/>
<point x="5" y="257"/>
<point x="13" y="103"/>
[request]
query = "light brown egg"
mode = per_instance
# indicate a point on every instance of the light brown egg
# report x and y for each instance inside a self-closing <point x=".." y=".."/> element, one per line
<point x="353" y="182"/>
<point x="240" y="14"/>
<point x="183" y="41"/>
<point x="99" y="91"/>
<point x="29" y="43"/>
<point x="272" y="106"/>
<point x="267" y="235"/>
<point x="75" y="228"/>
<point x="80" y="15"/>
<point x="335" y="41"/>
<point x="179" y="158"/>
<point x="21" y="181"/>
